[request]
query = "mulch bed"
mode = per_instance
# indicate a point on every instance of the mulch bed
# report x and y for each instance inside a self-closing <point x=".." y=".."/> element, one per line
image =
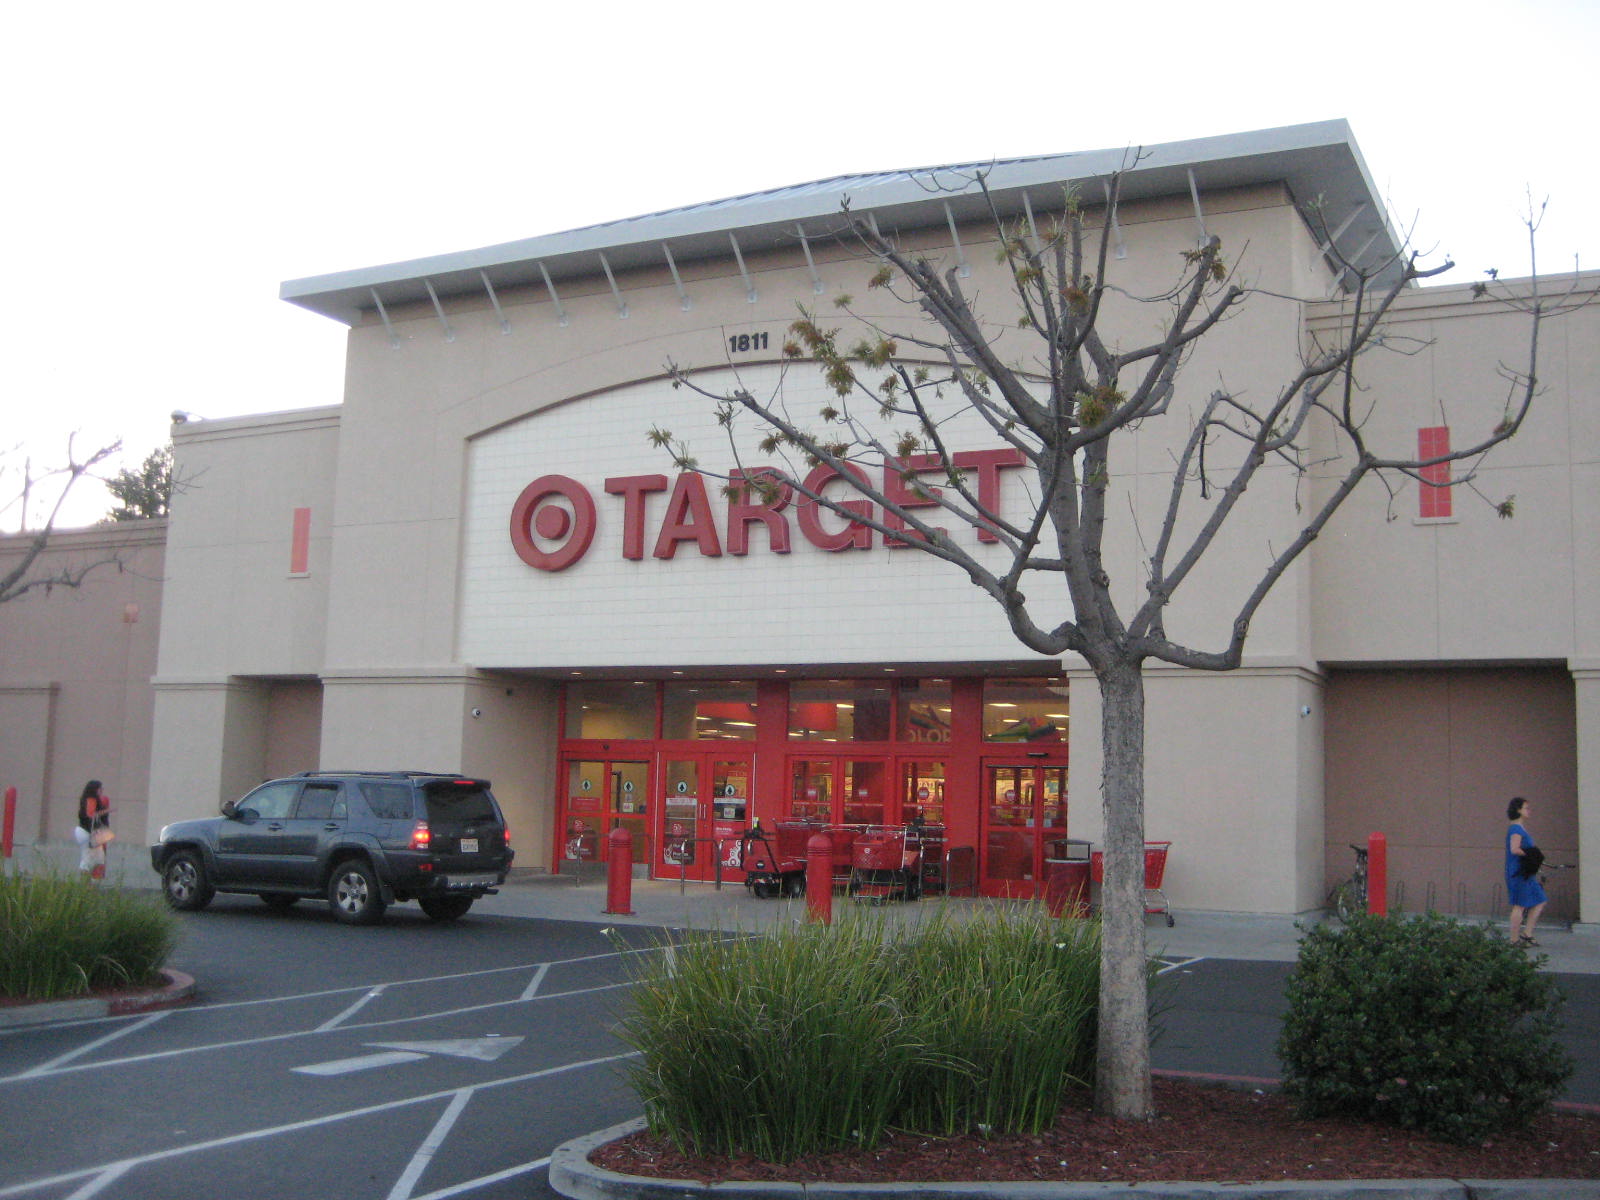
<point x="1203" y="1133"/>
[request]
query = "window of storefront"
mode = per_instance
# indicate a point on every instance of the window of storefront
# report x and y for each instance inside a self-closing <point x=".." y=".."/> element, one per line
<point x="923" y="713"/>
<point x="922" y="792"/>
<point x="1025" y="710"/>
<point x="697" y="710"/>
<point x="610" y="709"/>
<point x="839" y="710"/>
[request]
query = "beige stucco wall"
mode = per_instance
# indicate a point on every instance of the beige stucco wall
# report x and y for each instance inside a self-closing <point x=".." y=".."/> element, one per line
<point x="75" y="665"/>
<point x="414" y="616"/>
<point x="1475" y="587"/>
<point x="239" y="618"/>
<point x="1233" y="780"/>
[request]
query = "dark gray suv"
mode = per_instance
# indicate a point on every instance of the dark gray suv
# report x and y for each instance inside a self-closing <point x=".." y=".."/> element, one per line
<point x="361" y="840"/>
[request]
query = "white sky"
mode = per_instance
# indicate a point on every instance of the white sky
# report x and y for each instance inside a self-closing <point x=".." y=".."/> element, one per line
<point x="169" y="164"/>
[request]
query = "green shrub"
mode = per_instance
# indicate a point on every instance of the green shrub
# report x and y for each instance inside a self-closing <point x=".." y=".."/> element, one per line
<point x="1424" y="1023"/>
<point x="61" y="937"/>
<point x="817" y="1037"/>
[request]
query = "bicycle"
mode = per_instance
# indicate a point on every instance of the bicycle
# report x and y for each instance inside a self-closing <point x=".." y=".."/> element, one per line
<point x="1558" y="910"/>
<point x="1348" y="898"/>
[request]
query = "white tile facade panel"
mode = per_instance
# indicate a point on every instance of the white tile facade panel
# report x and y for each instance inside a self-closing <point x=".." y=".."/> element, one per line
<point x="808" y="606"/>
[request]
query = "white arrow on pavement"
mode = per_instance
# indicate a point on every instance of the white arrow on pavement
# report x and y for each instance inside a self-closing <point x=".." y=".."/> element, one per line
<point x="485" y="1049"/>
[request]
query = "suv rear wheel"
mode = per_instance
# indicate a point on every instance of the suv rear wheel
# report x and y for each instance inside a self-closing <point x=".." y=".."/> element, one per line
<point x="354" y="893"/>
<point x="446" y="908"/>
<point x="184" y="882"/>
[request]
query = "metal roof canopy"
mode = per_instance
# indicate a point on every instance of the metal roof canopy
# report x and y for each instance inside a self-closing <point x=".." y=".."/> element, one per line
<point x="1319" y="159"/>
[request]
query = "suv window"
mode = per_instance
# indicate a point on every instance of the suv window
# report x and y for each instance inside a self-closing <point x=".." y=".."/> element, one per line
<point x="320" y="802"/>
<point x="459" y="802"/>
<point x="271" y="801"/>
<point x="388" y="801"/>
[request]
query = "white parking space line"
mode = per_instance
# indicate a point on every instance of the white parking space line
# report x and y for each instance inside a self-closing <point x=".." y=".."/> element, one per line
<point x="1169" y="965"/>
<point x="89" y="1047"/>
<point x="335" y="1022"/>
<point x="430" y="1144"/>
<point x="483" y="1181"/>
<point x="100" y="1182"/>
<point x="266" y="1039"/>
<point x="56" y="1182"/>
<point x="532" y="989"/>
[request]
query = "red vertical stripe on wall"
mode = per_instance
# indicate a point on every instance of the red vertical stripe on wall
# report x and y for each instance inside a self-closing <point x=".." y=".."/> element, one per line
<point x="300" y="544"/>
<point x="1434" y="498"/>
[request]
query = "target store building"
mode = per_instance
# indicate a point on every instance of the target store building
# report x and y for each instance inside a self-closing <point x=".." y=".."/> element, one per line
<point x="480" y="562"/>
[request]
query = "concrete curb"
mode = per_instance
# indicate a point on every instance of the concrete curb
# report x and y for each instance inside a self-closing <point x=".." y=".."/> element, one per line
<point x="572" y="1174"/>
<point x="176" y="989"/>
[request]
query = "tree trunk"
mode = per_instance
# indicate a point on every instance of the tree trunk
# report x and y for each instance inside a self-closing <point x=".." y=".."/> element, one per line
<point x="1122" y="1076"/>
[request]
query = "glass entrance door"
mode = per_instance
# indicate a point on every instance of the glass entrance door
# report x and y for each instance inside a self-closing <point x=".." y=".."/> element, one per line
<point x="602" y="795"/>
<point x="1024" y="816"/>
<point x="705" y="799"/>
<point x="841" y="791"/>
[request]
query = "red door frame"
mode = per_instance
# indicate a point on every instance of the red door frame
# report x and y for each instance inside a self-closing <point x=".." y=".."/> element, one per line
<point x="1029" y="824"/>
<point x="721" y="808"/>
<point x="588" y="814"/>
<point x="874" y="798"/>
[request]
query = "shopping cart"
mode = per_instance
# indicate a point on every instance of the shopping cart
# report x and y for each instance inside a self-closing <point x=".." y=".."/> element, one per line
<point x="1155" y="869"/>
<point x="776" y="865"/>
<point x="886" y="865"/>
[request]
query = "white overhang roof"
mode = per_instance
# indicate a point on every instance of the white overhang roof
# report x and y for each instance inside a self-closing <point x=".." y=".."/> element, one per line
<point x="1319" y="160"/>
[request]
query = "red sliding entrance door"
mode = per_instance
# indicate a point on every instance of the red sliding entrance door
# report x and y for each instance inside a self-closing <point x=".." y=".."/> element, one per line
<point x="1024" y="815"/>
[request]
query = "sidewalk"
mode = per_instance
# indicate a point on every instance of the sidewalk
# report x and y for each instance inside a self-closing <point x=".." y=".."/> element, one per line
<point x="1247" y="936"/>
<point x="665" y="902"/>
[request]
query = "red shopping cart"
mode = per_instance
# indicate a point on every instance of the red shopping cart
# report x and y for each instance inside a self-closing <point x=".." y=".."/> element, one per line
<point x="776" y="865"/>
<point x="885" y="864"/>
<point x="1155" y="869"/>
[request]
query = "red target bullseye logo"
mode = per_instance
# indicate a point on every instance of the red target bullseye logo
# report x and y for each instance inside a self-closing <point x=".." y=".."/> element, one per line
<point x="533" y="515"/>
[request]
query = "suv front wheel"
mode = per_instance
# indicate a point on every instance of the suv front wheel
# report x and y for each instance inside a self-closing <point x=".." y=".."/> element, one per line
<point x="184" y="882"/>
<point x="354" y="893"/>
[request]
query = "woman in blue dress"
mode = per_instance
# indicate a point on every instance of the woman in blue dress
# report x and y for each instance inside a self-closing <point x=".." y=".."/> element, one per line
<point x="1525" y="892"/>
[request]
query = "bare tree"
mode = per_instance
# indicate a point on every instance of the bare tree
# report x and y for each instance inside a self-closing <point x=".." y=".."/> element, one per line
<point x="23" y="576"/>
<point x="1064" y="406"/>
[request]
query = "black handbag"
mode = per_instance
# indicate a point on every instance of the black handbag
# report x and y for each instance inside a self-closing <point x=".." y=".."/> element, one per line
<point x="1532" y="860"/>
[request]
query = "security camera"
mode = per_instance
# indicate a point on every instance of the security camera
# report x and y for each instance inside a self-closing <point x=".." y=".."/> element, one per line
<point x="477" y="712"/>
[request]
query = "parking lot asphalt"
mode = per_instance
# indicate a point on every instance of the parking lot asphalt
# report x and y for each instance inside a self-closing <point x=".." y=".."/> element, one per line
<point x="415" y="1061"/>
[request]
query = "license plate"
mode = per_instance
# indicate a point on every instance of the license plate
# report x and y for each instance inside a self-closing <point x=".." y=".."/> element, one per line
<point x="471" y="881"/>
<point x="469" y="845"/>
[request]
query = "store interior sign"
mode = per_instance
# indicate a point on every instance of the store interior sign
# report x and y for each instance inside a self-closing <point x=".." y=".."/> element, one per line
<point x="555" y="518"/>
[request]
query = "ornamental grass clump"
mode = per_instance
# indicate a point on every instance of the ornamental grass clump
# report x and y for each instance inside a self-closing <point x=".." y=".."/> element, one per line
<point x="61" y="937"/>
<point x="818" y="1037"/>
<point x="1425" y="1023"/>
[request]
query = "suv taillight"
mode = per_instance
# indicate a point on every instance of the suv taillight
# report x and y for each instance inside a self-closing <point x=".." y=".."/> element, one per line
<point x="508" y="835"/>
<point x="421" y="838"/>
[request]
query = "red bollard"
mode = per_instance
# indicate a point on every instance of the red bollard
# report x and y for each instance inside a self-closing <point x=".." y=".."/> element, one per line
<point x="619" y="873"/>
<point x="819" y="878"/>
<point x="1378" y="874"/>
<point x="10" y="825"/>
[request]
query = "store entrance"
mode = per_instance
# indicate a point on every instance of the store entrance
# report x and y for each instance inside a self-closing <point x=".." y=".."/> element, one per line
<point x="704" y="805"/>
<point x="840" y="790"/>
<point x="1024" y="822"/>
<point x="603" y="794"/>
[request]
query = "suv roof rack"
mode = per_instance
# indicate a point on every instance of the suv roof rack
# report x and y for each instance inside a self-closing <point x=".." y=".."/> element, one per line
<point x="382" y="774"/>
